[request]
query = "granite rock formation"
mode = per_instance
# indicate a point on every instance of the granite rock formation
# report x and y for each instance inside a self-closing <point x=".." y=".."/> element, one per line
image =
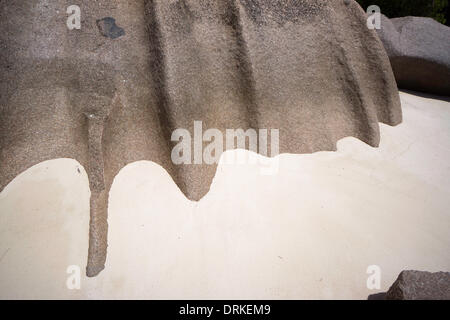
<point x="310" y="68"/>
<point x="420" y="285"/>
<point x="419" y="52"/>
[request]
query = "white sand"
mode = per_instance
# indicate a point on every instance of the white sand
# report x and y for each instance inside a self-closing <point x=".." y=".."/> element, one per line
<point x="310" y="231"/>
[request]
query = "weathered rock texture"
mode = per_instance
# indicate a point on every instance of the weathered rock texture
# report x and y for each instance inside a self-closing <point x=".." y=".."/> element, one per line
<point x="419" y="52"/>
<point x="310" y="68"/>
<point x="420" y="285"/>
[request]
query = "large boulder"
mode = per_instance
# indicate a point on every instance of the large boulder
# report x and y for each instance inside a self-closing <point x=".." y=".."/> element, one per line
<point x="108" y="96"/>
<point x="420" y="285"/>
<point x="419" y="51"/>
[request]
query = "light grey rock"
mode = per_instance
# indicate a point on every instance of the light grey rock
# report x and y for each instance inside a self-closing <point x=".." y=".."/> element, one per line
<point x="419" y="52"/>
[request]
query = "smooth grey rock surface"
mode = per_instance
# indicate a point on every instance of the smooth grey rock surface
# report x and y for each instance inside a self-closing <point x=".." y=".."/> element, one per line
<point x="419" y="52"/>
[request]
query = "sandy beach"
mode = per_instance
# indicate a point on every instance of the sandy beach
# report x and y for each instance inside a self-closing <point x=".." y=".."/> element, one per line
<point x="308" y="232"/>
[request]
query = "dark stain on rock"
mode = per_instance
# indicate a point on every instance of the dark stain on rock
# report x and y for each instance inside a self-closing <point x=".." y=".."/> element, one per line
<point x="109" y="29"/>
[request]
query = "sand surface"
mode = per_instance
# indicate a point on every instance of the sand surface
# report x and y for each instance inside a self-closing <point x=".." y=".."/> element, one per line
<point x="309" y="231"/>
